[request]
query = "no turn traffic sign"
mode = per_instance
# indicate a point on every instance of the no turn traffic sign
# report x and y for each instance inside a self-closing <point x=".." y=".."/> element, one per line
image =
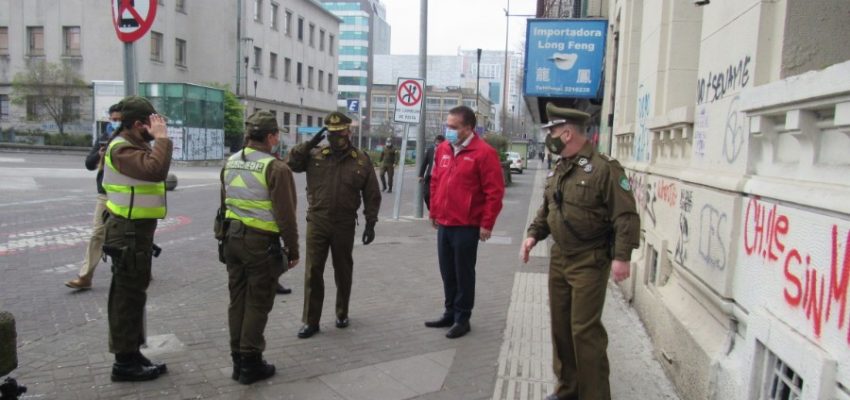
<point x="408" y="104"/>
<point x="132" y="18"/>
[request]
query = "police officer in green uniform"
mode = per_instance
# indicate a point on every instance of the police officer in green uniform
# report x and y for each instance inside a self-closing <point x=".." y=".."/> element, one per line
<point x="589" y="210"/>
<point x="258" y="193"/>
<point x="338" y="177"/>
<point x="134" y="180"/>
<point x="388" y="159"/>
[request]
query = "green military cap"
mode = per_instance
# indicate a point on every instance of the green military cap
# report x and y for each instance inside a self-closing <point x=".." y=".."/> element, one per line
<point x="562" y="115"/>
<point x="337" y="121"/>
<point x="135" y="108"/>
<point x="263" y="121"/>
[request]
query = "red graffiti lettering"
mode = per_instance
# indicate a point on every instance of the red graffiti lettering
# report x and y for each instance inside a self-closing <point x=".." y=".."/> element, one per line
<point x="764" y="231"/>
<point x="793" y="280"/>
<point x="838" y="284"/>
<point x="667" y="192"/>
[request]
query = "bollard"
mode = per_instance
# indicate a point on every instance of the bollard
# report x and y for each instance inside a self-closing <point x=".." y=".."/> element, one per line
<point x="171" y="182"/>
<point x="8" y="343"/>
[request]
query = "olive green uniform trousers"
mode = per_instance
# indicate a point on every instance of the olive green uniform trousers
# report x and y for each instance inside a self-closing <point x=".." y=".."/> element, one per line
<point x="577" y="285"/>
<point x="338" y="237"/>
<point x="387" y="172"/>
<point x="254" y="263"/>
<point x="129" y="244"/>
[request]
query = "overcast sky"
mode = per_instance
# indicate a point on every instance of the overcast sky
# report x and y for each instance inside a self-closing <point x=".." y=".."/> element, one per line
<point x="453" y="24"/>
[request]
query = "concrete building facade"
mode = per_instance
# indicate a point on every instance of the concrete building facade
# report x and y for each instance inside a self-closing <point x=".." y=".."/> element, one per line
<point x="732" y="119"/>
<point x="190" y="41"/>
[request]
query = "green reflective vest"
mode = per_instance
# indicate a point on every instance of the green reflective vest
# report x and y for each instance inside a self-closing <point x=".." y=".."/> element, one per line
<point x="128" y="197"/>
<point x="246" y="191"/>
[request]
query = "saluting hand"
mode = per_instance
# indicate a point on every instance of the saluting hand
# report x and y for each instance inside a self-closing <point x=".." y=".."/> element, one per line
<point x="317" y="138"/>
<point x="526" y="247"/>
<point x="157" y="127"/>
<point x="620" y="270"/>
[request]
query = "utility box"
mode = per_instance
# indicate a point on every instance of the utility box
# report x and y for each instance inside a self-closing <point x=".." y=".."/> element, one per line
<point x="195" y="118"/>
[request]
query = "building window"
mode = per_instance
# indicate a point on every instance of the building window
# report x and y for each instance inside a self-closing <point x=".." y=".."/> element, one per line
<point x="287" y="23"/>
<point x="4" y="40"/>
<point x="652" y="271"/>
<point x="321" y="40"/>
<point x="286" y="119"/>
<point x="4" y="106"/>
<point x="287" y="69"/>
<point x="331" y="44"/>
<point x="35" y="41"/>
<point x="309" y="120"/>
<point x="433" y="102"/>
<point x="258" y="10"/>
<point x="379" y="100"/>
<point x="319" y="122"/>
<point x="71" y="108"/>
<point x="298" y="79"/>
<point x="258" y="60"/>
<point x="312" y="35"/>
<point x="156" y="46"/>
<point x="273" y="65"/>
<point x="310" y="77"/>
<point x="298" y="119"/>
<point x="180" y="52"/>
<point x="779" y="381"/>
<point x="321" y="80"/>
<point x="33" y="108"/>
<point x="330" y="83"/>
<point x="301" y="29"/>
<point x="273" y="16"/>
<point x="71" y="37"/>
<point x="180" y="6"/>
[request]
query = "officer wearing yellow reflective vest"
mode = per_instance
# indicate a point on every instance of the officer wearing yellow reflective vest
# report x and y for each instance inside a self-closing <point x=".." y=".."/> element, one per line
<point x="258" y="192"/>
<point x="134" y="180"/>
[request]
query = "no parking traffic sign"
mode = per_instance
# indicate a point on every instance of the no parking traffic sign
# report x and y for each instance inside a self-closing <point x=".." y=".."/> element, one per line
<point x="408" y="100"/>
<point x="132" y="18"/>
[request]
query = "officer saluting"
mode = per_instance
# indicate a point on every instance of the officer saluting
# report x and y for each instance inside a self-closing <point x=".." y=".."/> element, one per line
<point x="338" y="176"/>
<point x="259" y="194"/>
<point x="134" y="180"/>
<point x="589" y="210"/>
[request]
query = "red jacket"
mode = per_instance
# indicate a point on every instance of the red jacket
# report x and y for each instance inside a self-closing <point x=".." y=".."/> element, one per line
<point x="467" y="190"/>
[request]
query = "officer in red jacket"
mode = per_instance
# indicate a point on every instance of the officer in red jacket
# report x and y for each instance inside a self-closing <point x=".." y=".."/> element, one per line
<point x="467" y="187"/>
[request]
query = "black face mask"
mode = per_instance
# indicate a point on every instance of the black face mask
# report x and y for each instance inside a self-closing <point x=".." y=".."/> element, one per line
<point x="338" y="141"/>
<point x="555" y="144"/>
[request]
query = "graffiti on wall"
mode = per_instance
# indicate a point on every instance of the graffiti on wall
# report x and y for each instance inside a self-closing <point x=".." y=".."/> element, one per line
<point x="701" y="127"/>
<point x="733" y="137"/>
<point x="717" y="83"/>
<point x="817" y="291"/>
<point x="667" y="192"/>
<point x="641" y="142"/>
<point x="711" y="246"/>
<point x="644" y="195"/>
<point x="686" y="203"/>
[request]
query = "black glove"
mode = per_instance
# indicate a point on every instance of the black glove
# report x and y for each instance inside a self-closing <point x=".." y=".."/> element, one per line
<point x="316" y="139"/>
<point x="369" y="233"/>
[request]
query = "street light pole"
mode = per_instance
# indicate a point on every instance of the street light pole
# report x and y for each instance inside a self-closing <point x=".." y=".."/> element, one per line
<point x="477" y="79"/>
<point x="507" y="66"/>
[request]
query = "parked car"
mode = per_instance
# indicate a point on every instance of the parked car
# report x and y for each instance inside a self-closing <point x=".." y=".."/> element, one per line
<point x="516" y="161"/>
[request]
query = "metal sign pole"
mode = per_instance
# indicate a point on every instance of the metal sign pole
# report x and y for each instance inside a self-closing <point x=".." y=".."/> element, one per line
<point x="131" y="78"/>
<point x="359" y="125"/>
<point x="399" y="178"/>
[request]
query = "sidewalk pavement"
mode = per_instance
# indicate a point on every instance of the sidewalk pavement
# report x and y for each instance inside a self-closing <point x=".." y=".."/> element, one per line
<point x="386" y="353"/>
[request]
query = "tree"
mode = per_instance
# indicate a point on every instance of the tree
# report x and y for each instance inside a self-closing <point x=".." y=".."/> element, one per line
<point x="50" y="90"/>
<point x="234" y="124"/>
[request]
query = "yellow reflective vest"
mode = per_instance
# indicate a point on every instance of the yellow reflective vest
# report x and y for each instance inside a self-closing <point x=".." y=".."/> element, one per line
<point x="128" y="197"/>
<point x="247" y="191"/>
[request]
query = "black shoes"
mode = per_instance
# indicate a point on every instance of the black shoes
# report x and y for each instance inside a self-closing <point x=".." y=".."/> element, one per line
<point x="280" y="289"/>
<point x="133" y="372"/>
<point x="342" y="323"/>
<point x="253" y="368"/>
<point x="457" y="330"/>
<point x="307" y="331"/>
<point x="237" y="365"/>
<point x="160" y="367"/>
<point x="442" y="322"/>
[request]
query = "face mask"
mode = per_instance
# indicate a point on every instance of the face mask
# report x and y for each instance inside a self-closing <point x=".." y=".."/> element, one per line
<point x="338" y="141"/>
<point x="451" y="135"/>
<point x="115" y="124"/>
<point x="276" y="149"/>
<point x="555" y="144"/>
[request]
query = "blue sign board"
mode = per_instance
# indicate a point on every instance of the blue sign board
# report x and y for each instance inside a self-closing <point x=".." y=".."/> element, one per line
<point x="564" y="57"/>
<point x="353" y="105"/>
<point x="308" y="130"/>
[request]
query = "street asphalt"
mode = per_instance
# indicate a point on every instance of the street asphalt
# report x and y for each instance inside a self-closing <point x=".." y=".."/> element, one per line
<point x="46" y="205"/>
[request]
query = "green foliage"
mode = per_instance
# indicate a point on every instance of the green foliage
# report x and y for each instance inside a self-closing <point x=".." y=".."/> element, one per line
<point x="64" y="139"/>
<point x="234" y="124"/>
<point x="49" y="91"/>
<point x="498" y="142"/>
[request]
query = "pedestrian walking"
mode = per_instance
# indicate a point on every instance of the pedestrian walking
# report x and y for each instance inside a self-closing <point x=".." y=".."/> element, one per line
<point x="540" y="154"/>
<point x="94" y="161"/>
<point x="389" y="156"/>
<point x="467" y="188"/>
<point x="548" y="160"/>
<point x="338" y="177"/>
<point x="258" y="193"/>
<point x="589" y="209"/>
<point x="425" y="170"/>
<point x="134" y="176"/>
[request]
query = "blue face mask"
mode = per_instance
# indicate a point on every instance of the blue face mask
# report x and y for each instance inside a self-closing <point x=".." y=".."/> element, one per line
<point x="115" y="124"/>
<point x="451" y="135"/>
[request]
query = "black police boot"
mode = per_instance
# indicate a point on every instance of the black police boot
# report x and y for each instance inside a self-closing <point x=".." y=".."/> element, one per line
<point x="237" y="365"/>
<point x="280" y="289"/>
<point x="457" y="330"/>
<point x="161" y="367"/>
<point x="307" y="331"/>
<point x="443" y="322"/>
<point x="254" y="368"/>
<point x="127" y="368"/>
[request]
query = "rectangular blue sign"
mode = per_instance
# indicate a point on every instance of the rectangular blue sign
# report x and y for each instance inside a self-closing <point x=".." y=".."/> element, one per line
<point x="564" y="57"/>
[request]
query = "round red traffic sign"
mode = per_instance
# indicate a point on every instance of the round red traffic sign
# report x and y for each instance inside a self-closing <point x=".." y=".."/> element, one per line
<point x="409" y="93"/>
<point x="132" y="18"/>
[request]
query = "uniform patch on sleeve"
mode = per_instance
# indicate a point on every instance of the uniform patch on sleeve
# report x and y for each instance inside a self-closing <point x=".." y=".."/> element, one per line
<point x="624" y="183"/>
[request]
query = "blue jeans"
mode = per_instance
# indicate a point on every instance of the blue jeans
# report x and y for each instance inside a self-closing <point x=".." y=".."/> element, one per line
<point x="457" y="249"/>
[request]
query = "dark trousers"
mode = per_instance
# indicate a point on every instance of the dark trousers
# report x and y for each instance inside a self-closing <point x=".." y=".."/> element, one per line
<point x="577" y="285"/>
<point x="254" y="264"/>
<point x="457" y="248"/>
<point x="338" y="237"/>
<point x="426" y="192"/>
<point x="131" y="275"/>
<point x="387" y="172"/>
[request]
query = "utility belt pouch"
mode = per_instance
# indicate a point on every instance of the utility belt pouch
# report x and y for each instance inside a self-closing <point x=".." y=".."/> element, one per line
<point x="221" y="252"/>
<point x="220" y="224"/>
<point x="278" y="256"/>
